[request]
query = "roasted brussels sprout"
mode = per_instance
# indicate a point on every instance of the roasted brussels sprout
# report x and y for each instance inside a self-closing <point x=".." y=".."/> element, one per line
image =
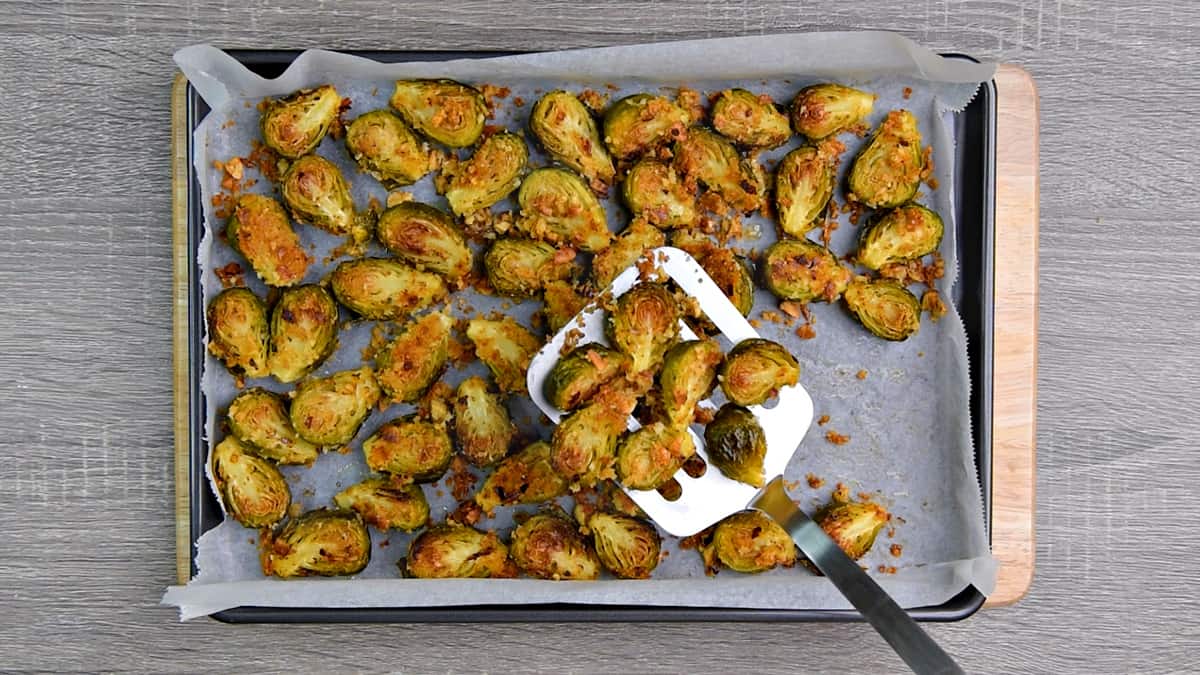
<point x="252" y="489"/>
<point x="409" y="449"/>
<point x="736" y="445"/>
<point x="260" y="419"/>
<point x="294" y="125"/>
<point x="387" y="149"/>
<point x="303" y="331"/>
<point x="751" y="542"/>
<point x="386" y="503"/>
<point x="384" y="288"/>
<point x="641" y="122"/>
<point x="519" y="268"/>
<point x="885" y="308"/>
<point x="451" y="550"/>
<point x="853" y="526"/>
<point x="548" y="546"/>
<point x="526" y="477"/>
<point x="316" y="193"/>
<point x="798" y="269"/>
<point x="649" y="457"/>
<point x="488" y="175"/>
<point x="628" y="547"/>
<point x="750" y="119"/>
<point x="688" y="375"/>
<point x="259" y="229"/>
<point x="565" y="128"/>
<point x="755" y="369"/>
<point x="323" y="542"/>
<point x="576" y="377"/>
<point x="639" y="237"/>
<point x="731" y="273"/>
<point x="446" y="111"/>
<point x="906" y="233"/>
<point x="584" y="445"/>
<point x="415" y="359"/>
<point x="481" y="423"/>
<point x="560" y="303"/>
<point x="644" y="324"/>
<point x="713" y="161"/>
<point x="328" y="411"/>
<point x="238" y="333"/>
<point x="426" y="237"/>
<point x="887" y="171"/>
<point x="803" y="186"/>
<point x="505" y="348"/>
<point x="557" y="207"/>
<point x="654" y="191"/>
<point x="823" y="110"/>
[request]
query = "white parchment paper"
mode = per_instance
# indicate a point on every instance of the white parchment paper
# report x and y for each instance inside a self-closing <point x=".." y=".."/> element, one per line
<point x="908" y="420"/>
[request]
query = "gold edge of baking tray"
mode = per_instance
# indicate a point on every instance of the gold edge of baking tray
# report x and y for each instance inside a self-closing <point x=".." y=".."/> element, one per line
<point x="179" y="326"/>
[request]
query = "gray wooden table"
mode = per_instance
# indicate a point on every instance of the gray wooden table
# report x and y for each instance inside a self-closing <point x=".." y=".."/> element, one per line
<point x="86" y="527"/>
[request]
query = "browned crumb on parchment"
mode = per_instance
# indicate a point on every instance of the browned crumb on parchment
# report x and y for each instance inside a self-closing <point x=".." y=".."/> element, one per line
<point x="896" y="550"/>
<point x="435" y="404"/>
<point x="862" y="374"/>
<point x="907" y="93"/>
<point x="822" y="420"/>
<point x="594" y="99"/>
<point x="841" y="493"/>
<point x="491" y="93"/>
<point x="814" y="481"/>
<point x="887" y="569"/>
<point x="836" y="438"/>
<point x="379" y="339"/>
<point x="690" y="100"/>
<point x="461" y="479"/>
<point x="230" y="275"/>
<point x="932" y="302"/>
<point x="467" y="513"/>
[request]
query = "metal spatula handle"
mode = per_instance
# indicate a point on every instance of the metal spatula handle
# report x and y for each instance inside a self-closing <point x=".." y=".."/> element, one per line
<point x="912" y="643"/>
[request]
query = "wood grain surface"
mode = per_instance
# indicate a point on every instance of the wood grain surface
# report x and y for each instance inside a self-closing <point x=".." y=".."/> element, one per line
<point x="85" y="320"/>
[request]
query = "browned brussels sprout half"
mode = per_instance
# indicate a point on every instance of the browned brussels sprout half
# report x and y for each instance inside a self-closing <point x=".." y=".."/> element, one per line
<point x="451" y="551"/>
<point x="294" y="125"/>
<point x="735" y="443"/>
<point x="519" y="268"/>
<point x="260" y="419"/>
<point x="887" y="171"/>
<point x="303" y="331"/>
<point x="823" y="110"/>
<point x="626" y="546"/>
<point x="505" y="348"/>
<point x="731" y="273"/>
<point x="556" y="206"/>
<point x="885" y="308"/>
<point x="426" y="237"/>
<point x="548" y="546"/>
<point x="252" y="489"/>
<point x="384" y="288"/>
<point x="642" y="122"/>
<point x="577" y="377"/>
<point x="644" y="324"/>
<point x="415" y="359"/>
<point x="803" y="186"/>
<point x="750" y="542"/>
<point x="798" y="269"/>
<point x="259" y="229"/>
<point x="322" y="542"/>
<point x="481" y="423"/>
<point x="526" y="477"/>
<point x="903" y="234"/>
<point x="750" y="119"/>
<point x="755" y="369"/>
<point x="446" y="111"/>
<point x="638" y="238"/>
<point x="688" y="375"/>
<point x="713" y="161"/>
<point x="853" y="526"/>
<point x="565" y="128"/>
<point x="328" y="411"/>
<point x="387" y="149"/>
<point x="584" y="444"/>
<point x="650" y="456"/>
<point x="317" y="194"/>
<point x="238" y="332"/>
<point x="654" y="191"/>
<point x="561" y="302"/>
<point x="410" y="450"/>
<point x="487" y="176"/>
<point x="386" y="503"/>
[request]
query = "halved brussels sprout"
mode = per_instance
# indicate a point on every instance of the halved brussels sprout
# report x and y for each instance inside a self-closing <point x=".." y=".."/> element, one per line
<point x="488" y="175"/>
<point x="328" y="411"/>
<point x="384" y="288"/>
<point x="415" y="359"/>
<point x="906" y="233"/>
<point x="751" y="542"/>
<point x="644" y="324"/>
<point x="565" y="127"/>
<point x="688" y="375"/>
<point x="654" y="191"/>
<point x="803" y="186"/>
<point x="576" y="377"/>
<point x="712" y="160"/>
<point x="303" y="331"/>
<point x="323" y="542"/>
<point x="731" y="273"/>
<point x="238" y="332"/>
<point x="584" y="444"/>
<point x="526" y="477"/>
<point x="755" y="369"/>
<point x="449" y="112"/>
<point x="736" y="445"/>
<point x="451" y="551"/>
<point x="426" y="237"/>
<point x="294" y="125"/>
<point x="750" y="119"/>
<point x="853" y="526"/>
<point x="557" y="207"/>
<point x="887" y="171"/>
<point x="639" y="237"/>
<point x="481" y="423"/>
<point x="387" y="149"/>
<point x="823" y="110"/>
<point x="252" y="489"/>
<point x="547" y="546"/>
<point x="649" y="457"/>
<point x="885" y="308"/>
<point x="560" y="303"/>
<point x="628" y="547"/>
<point x="386" y="503"/>
<point x="317" y="194"/>
<point x="505" y="348"/>
<point x="409" y="449"/>
<point x="259" y="229"/>
<point x="260" y="419"/>
<point x="519" y="268"/>
<point x="641" y="122"/>
<point x="798" y="269"/>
